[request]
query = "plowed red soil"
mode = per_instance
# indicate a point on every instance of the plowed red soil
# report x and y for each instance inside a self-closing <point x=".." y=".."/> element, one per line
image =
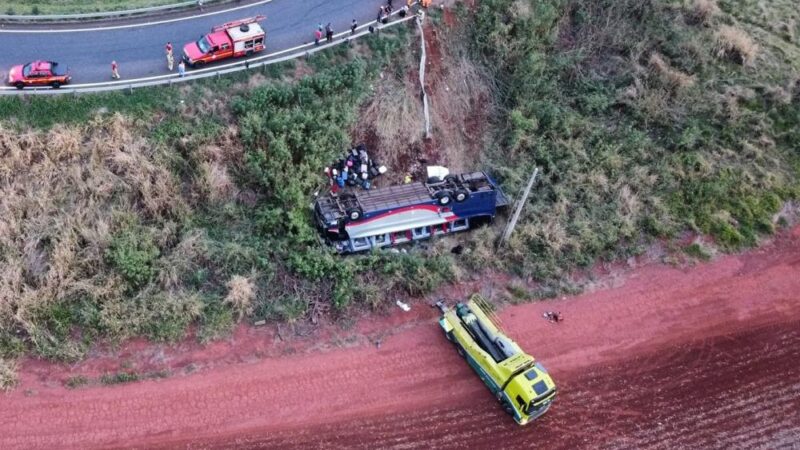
<point x="704" y="357"/>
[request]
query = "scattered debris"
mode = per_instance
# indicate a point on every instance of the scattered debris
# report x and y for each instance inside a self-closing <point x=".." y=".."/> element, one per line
<point x="553" y="317"/>
<point x="403" y="306"/>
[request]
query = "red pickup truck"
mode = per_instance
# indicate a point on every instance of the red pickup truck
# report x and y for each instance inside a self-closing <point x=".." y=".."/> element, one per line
<point x="38" y="73"/>
<point x="238" y="38"/>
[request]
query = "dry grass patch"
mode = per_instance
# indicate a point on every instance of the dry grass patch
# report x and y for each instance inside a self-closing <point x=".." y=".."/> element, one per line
<point x="8" y="374"/>
<point x="668" y="74"/>
<point x="702" y="11"/>
<point x="736" y="44"/>
<point x="241" y="294"/>
<point x="61" y="195"/>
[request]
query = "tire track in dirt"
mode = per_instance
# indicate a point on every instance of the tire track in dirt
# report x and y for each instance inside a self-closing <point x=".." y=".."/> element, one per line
<point x="705" y="357"/>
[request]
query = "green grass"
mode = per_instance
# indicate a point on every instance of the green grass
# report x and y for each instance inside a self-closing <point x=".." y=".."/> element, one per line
<point x="153" y="251"/>
<point x="36" y="7"/>
<point x="641" y="128"/>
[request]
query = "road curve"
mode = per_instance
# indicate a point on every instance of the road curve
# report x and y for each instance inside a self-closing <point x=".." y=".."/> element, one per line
<point x="139" y="48"/>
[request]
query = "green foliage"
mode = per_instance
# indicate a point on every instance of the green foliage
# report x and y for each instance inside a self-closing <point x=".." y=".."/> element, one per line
<point x="216" y="322"/>
<point x="697" y="251"/>
<point x="76" y="381"/>
<point x="630" y="148"/>
<point x="133" y="253"/>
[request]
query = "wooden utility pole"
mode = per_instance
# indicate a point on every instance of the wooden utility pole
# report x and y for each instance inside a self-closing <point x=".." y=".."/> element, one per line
<point x="513" y="222"/>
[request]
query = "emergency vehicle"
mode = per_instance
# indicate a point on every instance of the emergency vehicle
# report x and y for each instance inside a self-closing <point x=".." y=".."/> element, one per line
<point x="360" y="220"/>
<point x="38" y="73"/>
<point x="519" y="383"/>
<point x="233" y="39"/>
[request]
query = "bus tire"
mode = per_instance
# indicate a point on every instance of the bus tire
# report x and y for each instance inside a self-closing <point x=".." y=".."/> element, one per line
<point x="354" y="214"/>
<point x="461" y="195"/>
<point x="19" y="85"/>
<point x="444" y="197"/>
<point x="55" y="84"/>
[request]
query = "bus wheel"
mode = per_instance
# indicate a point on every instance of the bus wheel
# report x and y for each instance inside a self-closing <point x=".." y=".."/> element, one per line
<point x="443" y="197"/>
<point x="353" y="214"/>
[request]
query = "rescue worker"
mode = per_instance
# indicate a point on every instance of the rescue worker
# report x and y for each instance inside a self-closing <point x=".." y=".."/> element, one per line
<point x="407" y="179"/>
<point x="353" y="27"/>
<point x="329" y="32"/>
<point x="389" y="6"/>
<point x="170" y="57"/>
<point x="114" y="70"/>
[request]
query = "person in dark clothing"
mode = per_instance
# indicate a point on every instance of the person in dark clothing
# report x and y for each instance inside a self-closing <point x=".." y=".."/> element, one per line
<point x="329" y="32"/>
<point x="353" y="27"/>
<point x="389" y="6"/>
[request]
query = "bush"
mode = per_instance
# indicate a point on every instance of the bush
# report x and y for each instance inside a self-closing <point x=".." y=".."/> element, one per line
<point x="8" y="374"/>
<point x="133" y="253"/>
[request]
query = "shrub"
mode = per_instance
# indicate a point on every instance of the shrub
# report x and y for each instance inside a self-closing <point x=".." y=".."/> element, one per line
<point x="133" y="253"/>
<point x="76" y="381"/>
<point x="702" y="11"/>
<point x="241" y="293"/>
<point x="8" y="374"/>
<point x="736" y="45"/>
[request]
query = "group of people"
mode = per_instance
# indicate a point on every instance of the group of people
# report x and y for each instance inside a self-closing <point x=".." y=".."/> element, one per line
<point x="318" y="33"/>
<point x="356" y="169"/>
<point x="170" y="64"/>
<point x="383" y="18"/>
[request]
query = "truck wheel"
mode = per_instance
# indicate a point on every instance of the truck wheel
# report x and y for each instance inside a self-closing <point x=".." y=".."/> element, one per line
<point x="508" y="408"/>
<point x="461" y="195"/>
<point x="19" y="85"/>
<point x="55" y="84"/>
<point x="443" y="197"/>
<point x="461" y="351"/>
<point x="353" y="214"/>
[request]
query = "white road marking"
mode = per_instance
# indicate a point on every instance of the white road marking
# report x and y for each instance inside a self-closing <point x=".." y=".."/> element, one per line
<point x="145" y="24"/>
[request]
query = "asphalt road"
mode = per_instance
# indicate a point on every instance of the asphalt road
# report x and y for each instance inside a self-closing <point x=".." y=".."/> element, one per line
<point x="139" y="49"/>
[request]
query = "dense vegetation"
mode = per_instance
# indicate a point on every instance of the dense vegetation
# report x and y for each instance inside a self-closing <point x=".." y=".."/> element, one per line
<point x="187" y="208"/>
<point x="648" y="118"/>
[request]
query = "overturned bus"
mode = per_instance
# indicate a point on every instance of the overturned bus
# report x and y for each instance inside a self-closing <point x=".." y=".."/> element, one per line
<point x="362" y="220"/>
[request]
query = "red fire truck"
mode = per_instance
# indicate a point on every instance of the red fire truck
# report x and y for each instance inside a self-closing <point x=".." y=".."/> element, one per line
<point x="238" y="38"/>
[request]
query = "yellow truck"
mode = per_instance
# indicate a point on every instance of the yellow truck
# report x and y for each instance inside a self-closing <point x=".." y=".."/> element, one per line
<point x="519" y="383"/>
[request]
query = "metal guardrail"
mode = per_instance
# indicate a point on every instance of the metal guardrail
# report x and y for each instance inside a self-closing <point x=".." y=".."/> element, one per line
<point x="104" y="14"/>
<point x="172" y="78"/>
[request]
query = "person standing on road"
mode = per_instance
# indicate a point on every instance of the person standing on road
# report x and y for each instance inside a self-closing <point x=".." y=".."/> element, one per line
<point x="353" y="27"/>
<point x="317" y="35"/>
<point x="329" y="32"/>
<point x="181" y="69"/>
<point x="114" y="70"/>
<point x="170" y="57"/>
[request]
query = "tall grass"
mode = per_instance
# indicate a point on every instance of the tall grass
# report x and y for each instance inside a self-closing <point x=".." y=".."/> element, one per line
<point x="647" y="120"/>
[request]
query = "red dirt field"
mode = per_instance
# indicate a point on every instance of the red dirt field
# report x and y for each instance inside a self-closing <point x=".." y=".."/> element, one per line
<point x="704" y="357"/>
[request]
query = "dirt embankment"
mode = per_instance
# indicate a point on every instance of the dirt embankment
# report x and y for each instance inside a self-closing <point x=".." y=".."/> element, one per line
<point x="707" y="357"/>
